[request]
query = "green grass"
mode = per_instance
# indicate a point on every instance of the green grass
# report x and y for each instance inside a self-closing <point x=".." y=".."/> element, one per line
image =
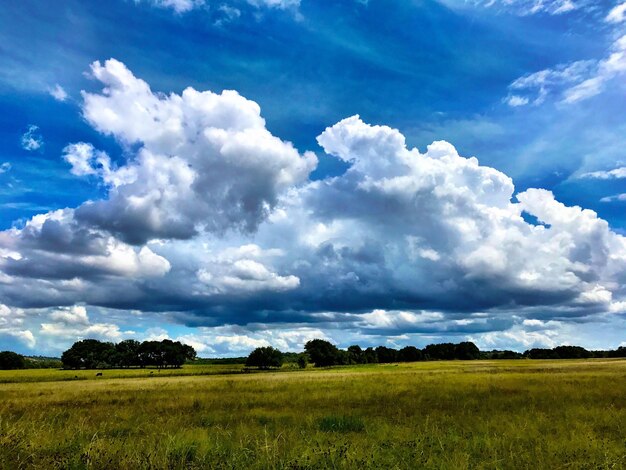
<point x="53" y="375"/>
<point x="482" y="414"/>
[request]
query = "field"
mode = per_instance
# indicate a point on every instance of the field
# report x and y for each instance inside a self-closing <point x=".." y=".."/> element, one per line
<point x="476" y="414"/>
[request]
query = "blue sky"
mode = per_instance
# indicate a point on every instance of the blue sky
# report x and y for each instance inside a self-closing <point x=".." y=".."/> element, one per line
<point x="130" y="207"/>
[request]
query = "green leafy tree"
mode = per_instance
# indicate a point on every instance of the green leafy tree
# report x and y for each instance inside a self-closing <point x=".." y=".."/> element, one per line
<point x="541" y="353"/>
<point x="370" y="356"/>
<point x="466" y="351"/>
<point x="572" y="352"/>
<point x="88" y="354"/>
<point x="127" y="353"/>
<point x="410" y="354"/>
<point x="91" y="353"/>
<point x="323" y="353"/>
<point x="386" y="355"/>
<point x="441" y="351"/>
<point x="265" y="358"/>
<point x="355" y="354"/>
<point x="303" y="360"/>
<point x="11" y="361"/>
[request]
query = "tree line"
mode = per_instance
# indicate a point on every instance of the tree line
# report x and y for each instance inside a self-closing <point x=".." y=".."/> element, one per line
<point x="10" y="360"/>
<point x="322" y="353"/>
<point x="94" y="354"/>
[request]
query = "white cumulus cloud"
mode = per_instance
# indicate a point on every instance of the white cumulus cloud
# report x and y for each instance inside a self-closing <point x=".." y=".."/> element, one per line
<point x="212" y="219"/>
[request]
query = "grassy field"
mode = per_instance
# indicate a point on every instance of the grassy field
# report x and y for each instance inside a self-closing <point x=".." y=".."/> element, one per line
<point x="480" y="414"/>
<point x="55" y="375"/>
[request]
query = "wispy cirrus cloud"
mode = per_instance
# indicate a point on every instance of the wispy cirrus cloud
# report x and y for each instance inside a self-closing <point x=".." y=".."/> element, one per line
<point x="616" y="173"/>
<point x="179" y="6"/>
<point x="617" y="14"/>
<point x="526" y="7"/>
<point x="228" y="8"/>
<point x="615" y="198"/>
<point x="570" y="83"/>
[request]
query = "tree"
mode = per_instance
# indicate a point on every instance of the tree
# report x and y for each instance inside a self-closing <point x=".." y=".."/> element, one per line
<point x="91" y="353"/>
<point x="369" y="356"/>
<point x="323" y="353"/>
<point x="572" y="352"/>
<point x="127" y="353"/>
<point x="303" y="360"/>
<point x="466" y="350"/>
<point x="410" y="354"/>
<point x="355" y="354"/>
<point x="11" y="361"/>
<point x="541" y="353"/>
<point x="265" y="358"/>
<point x="386" y="355"/>
<point x="442" y="351"/>
<point x="88" y="354"/>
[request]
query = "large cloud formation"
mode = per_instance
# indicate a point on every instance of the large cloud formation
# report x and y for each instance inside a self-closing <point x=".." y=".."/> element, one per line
<point x="214" y="220"/>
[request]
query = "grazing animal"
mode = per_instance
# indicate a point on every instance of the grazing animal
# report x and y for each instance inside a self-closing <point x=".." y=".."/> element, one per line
<point x="76" y="376"/>
<point x="151" y="372"/>
<point x="99" y="374"/>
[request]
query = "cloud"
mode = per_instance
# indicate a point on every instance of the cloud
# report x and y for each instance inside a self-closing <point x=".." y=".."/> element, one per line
<point x="570" y="83"/>
<point x="54" y="246"/>
<point x="74" y="315"/>
<point x="617" y="13"/>
<point x="528" y="7"/>
<point x="58" y="93"/>
<point x="616" y="173"/>
<point x="247" y="275"/>
<point x="211" y="221"/>
<point x="31" y="140"/>
<point x="228" y="11"/>
<point x="11" y="326"/>
<point x="515" y="100"/>
<point x="227" y="14"/>
<point x="6" y="166"/>
<point x="87" y="161"/>
<point x="206" y="162"/>
<point x="614" y="198"/>
<point x="519" y="338"/>
<point x="179" y="6"/>
<point x="230" y="340"/>
<point x="540" y="85"/>
<point x="280" y="4"/>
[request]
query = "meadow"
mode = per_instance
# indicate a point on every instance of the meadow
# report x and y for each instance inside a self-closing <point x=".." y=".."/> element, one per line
<point x="475" y="414"/>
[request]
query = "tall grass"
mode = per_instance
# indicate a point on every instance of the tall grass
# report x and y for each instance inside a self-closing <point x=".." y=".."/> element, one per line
<point x="500" y="414"/>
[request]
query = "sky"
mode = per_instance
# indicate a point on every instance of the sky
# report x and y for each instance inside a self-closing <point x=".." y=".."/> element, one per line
<point x="243" y="173"/>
